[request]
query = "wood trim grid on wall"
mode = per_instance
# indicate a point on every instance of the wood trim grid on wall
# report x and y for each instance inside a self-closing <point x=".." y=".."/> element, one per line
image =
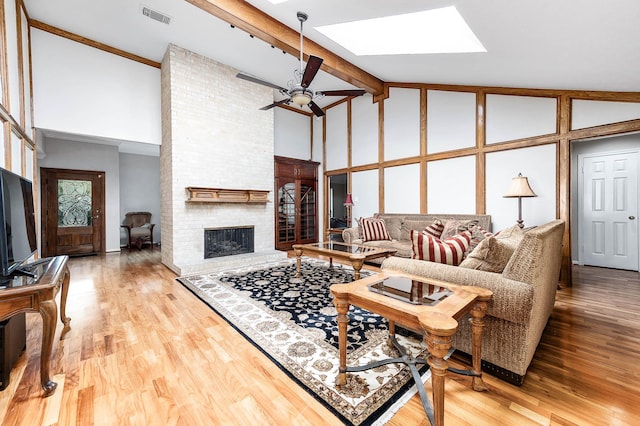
<point x="561" y="139"/>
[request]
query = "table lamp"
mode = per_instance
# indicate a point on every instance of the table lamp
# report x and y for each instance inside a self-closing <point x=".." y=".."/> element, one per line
<point x="520" y="188"/>
<point x="348" y="203"/>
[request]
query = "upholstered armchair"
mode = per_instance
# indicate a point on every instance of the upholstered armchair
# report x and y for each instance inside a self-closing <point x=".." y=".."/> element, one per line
<point x="139" y="229"/>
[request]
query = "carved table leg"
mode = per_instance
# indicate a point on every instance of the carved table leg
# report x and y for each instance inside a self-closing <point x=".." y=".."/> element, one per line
<point x="357" y="266"/>
<point x="298" y="252"/>
<point x="63" y="298"/>
<point x="438" y="346"/>
<point x="477" y="325"/>
<point x="342" y="306"/>
<point x="48" y="311"/>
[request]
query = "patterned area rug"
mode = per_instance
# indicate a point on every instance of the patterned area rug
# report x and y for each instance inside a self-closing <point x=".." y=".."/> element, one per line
<point x="293" y="321"/>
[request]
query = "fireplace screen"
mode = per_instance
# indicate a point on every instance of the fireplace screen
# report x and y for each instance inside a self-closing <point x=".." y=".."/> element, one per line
<point x="220" y="242"/>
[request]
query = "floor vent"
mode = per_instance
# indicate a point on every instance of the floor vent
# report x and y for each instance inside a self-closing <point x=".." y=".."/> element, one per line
<point x="160" y="17"/>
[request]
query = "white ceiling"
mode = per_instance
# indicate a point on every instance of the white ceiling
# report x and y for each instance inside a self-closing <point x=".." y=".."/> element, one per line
<point x="551" y="44"/>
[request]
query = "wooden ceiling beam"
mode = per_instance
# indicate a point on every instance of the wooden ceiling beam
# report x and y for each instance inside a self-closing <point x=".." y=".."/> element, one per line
<point x="248" y="18"/>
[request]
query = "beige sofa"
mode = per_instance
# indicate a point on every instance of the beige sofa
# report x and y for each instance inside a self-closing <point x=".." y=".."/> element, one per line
<point x="523" y="298"/>
<point x="399" y="227"/>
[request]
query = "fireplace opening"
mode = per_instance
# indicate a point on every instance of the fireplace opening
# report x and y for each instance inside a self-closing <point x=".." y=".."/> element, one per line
<point x="220" y="242"/>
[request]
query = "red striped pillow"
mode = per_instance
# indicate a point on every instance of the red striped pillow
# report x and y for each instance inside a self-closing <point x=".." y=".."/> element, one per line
<point x="435" y="229"/>
<point x="374" y="229"/>
<point x="449" y="251"/>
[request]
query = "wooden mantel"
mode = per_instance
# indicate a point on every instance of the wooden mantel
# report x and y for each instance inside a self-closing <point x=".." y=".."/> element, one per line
<point x="217" y="195"/>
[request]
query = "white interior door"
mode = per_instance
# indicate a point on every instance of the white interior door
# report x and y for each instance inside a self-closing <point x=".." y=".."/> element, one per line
<point x="609" y="211"/>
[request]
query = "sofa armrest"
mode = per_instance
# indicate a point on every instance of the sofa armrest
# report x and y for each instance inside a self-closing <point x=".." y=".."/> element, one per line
<point x="349" y="235"/>
<point x="512" y="300"/>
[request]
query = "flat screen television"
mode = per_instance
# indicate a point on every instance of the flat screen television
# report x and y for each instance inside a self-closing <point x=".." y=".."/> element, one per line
<point x="18" y="238"/>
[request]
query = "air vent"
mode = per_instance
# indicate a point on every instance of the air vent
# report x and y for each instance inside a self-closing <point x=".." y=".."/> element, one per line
<point x="160" y="17"/>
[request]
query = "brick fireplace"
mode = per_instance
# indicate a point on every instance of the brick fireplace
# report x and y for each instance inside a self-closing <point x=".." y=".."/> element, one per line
<point x="213" y="136"/>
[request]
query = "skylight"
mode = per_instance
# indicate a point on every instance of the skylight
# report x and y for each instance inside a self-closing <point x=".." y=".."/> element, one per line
<point x="431" y="31"/>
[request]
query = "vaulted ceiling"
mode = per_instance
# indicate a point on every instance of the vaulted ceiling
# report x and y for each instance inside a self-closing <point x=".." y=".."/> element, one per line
<point x="550" y="44"/>
<point x="556" y="44"/>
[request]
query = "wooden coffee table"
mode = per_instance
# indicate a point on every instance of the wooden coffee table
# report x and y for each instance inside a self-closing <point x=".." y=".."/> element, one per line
<point x="430" y="307"/>
<point x="356" y="254"/>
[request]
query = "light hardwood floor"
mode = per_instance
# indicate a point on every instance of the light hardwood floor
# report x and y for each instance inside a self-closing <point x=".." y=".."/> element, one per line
<point x="142" y="350"/>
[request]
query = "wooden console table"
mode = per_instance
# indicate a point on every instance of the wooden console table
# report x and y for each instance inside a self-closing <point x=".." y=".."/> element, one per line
<point x="38" y="294"/>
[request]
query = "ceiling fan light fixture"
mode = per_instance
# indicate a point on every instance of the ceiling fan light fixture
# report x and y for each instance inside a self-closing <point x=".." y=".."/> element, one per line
<point x="301" y="97"/>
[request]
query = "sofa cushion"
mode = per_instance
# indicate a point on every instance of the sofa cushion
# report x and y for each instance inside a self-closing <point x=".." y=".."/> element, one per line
<point x="403" y="247"/>
<point x="492" y="254"/>
<point x="374" y="229"/>
<point x="449" y="251"/>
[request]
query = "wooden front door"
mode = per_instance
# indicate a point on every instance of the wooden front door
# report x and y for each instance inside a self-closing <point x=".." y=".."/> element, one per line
<point x="72" y="212"/>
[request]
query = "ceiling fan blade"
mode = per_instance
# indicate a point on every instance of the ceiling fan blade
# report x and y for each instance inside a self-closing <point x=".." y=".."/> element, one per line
<point x="267" y="107"/>
<point x="253" y="79"/>
<point x="316" y="109"/>
<point x="356" y="92"/>
<point x="310" y="71"/>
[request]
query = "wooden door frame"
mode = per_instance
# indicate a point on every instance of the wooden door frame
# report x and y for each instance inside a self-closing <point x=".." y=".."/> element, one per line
<point x="44" y="231"/>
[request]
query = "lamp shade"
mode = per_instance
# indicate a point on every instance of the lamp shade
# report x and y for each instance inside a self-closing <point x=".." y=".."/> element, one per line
<point x="348" y="201"/>
<point x="519" y="188"/>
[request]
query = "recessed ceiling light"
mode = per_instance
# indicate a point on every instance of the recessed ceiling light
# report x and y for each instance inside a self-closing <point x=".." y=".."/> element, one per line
<point x="277" y="1"/>
<point x="431" y="31"/>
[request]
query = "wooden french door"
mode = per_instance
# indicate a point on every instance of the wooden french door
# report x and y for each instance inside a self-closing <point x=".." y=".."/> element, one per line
<point x="72" y="212"/>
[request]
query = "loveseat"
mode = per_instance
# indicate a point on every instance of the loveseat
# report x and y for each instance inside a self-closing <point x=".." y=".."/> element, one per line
<point x="523" y="296"/>
<point x="399" y="227"/>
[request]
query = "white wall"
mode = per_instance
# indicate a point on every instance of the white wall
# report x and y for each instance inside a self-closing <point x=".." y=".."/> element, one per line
<point x="451" y="120"/>
<point x="402" y="189"/>
<point x="402" y="123"/>
<point x="364" y="189"/>
<point x="63" y="154"/>
<point x="318" y="149"/>
<point x="451" y="185"/>
<point x="364" y="128"/>
<point x="594" y="113"/>
<point x="292" y="133"/>
<point x="336" y="137"/>
<point x="81" y="90"/>
<point x="515" y="117"/>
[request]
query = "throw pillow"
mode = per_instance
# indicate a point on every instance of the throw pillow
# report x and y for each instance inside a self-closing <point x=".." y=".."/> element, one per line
<point x="454" y="226"/>
<point x="478" y="233"/>
<point x="435" y="229"/>
<point x="492" y="254"/>
<point x="449" y="251"/>
<point x="412" y="224"/>
<point x="373" y="229"/>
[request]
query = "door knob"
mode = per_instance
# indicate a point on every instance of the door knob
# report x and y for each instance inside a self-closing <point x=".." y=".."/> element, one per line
<point x="632" y="217"/>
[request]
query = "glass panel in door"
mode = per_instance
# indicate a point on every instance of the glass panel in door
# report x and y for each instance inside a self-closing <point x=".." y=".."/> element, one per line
<point x="307" y="212"/>
<point x="287" y="213"/>
<point x="74" y="203"/>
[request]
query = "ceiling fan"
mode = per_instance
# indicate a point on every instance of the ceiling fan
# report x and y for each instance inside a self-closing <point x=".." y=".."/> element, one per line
<point x="298" y="90"/>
